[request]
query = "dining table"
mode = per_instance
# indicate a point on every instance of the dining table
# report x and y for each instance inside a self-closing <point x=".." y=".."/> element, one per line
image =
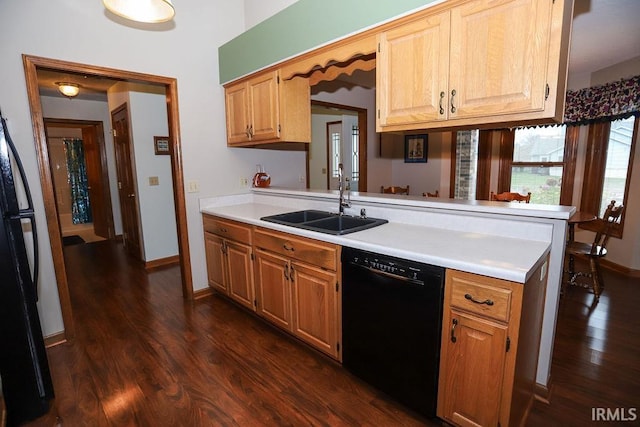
<point x="579" y="217"/>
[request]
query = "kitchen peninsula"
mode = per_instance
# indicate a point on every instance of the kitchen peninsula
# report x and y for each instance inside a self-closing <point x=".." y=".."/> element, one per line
<point x="484" y="246"/>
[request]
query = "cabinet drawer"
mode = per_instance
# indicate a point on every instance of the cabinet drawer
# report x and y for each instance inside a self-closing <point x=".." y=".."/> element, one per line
<point x="314" y="252"/>
<point x="228" y="229"/>
<point x="485" y="299"/>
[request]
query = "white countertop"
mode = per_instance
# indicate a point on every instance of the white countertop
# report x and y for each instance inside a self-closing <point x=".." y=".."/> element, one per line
<point x="479" y="245"/>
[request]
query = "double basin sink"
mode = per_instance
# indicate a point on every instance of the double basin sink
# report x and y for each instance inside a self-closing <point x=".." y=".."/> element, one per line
<point x="325" y="222"/>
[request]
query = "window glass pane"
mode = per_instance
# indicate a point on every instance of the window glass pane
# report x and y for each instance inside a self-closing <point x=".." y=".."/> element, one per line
<point x="335" y="145"/>
<point x="542" y="182"/>
<point x="355" y="155"/>
<point x="615" y="174"/>
<point x="466" y="164"/>
<point x="539" y="144"/>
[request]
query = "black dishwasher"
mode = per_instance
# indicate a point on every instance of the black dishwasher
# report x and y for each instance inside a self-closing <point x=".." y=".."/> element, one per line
<point x="391" y="323"/>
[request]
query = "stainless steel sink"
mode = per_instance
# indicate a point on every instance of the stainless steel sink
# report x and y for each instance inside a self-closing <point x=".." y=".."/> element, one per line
<point x="325" y="222"/>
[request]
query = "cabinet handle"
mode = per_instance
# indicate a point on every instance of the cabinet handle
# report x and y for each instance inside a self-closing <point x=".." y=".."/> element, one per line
<point x="222" y="230"/>
<point x="251" y="131"/>
<point x="453" y="95"/>
<point x="291" y="272"/>
<point x="441" y="99"/>
<point x="453" y="330"/>
<point x="246" y="132"/>
<point x="470" y="298"/>
<point x="287" y="247"/>
<point x="223" y="248"/>
<point x="286" y="272"/>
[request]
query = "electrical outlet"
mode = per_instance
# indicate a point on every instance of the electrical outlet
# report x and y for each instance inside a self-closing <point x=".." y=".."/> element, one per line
<point x="244" y="182"/>
<point x="302" y="178"/>
<point x="153" y="180"/>
<point x="193" y="186"/>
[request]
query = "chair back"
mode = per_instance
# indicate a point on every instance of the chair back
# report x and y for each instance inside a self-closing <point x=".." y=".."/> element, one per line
<point x="604" y="228"/>
<point x="435" y="194"/>
<point x="395" y="190"/>
<point x="510" y="197"/>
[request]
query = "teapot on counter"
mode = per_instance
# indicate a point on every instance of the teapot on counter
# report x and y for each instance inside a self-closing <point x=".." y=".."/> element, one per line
<point x="261" y="178"/>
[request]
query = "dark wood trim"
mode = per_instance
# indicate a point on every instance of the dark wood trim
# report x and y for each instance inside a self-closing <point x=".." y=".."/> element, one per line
<point x="483" y="173"/>
<point x="570" y="157"/>
<point x="202" y="293"/>
<point x="452" y="173"/>
<point x="31" y="64"/>
<point x="507" y="138"/>
<point x="55" y="339"/>
<point x="543" y="393"/>
<point x="162" y="262"/>
<point x="626" y="271"/>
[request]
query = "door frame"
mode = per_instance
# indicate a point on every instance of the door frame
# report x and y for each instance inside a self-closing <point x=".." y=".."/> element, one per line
<point x="362" y="139"/>
<point x="98" y="129"/>
<point x="31" y="64"/>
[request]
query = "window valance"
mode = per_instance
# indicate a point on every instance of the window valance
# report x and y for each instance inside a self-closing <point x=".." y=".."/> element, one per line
<point x="611" y="101"/>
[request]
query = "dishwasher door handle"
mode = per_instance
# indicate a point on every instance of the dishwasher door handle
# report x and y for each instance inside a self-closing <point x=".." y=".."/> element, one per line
<point x="390" y="275"/>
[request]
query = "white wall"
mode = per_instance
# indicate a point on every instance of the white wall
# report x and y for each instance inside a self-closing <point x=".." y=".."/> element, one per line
<point x="257" y="11"/>
<point x="421" y="177"/>
<point x="185" y="49"/>
<point x="318" y="150"/>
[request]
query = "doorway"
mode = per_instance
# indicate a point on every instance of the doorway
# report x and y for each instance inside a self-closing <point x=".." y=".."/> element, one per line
<point x="94" y="200"/>
<point x="32" y="64"/>
<point x="352" y="148"/>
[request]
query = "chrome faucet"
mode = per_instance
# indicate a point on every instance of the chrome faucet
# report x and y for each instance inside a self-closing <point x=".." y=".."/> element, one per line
<point x="341" y="187"/>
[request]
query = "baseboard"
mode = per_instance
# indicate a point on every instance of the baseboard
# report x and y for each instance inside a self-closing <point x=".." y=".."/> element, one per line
<point x="55" y="339"/>
<point x="162" y="262"/>
<point x="202" y="293"/>
<point x="612" y="266"/>
<point x="543" y="392"/>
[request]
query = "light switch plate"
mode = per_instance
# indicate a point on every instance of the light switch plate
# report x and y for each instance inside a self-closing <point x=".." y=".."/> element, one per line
<point x="153" y="180"/>
<point x="193" y="186"/>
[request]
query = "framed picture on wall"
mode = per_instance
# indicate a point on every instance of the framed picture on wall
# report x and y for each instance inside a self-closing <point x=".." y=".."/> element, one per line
<point x="415" y="148"/>
<point x="161" y="144"/>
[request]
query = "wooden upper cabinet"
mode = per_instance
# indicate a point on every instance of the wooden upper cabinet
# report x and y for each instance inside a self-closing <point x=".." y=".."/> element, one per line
<point x="412" y="71"/>
<point x="499" y="54"/>
<point x="478" y="63"/>
<point x="265" y="108"/>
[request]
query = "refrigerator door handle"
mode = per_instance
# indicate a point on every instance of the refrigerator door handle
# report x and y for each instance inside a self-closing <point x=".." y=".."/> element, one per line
<point x="28" y="213"/>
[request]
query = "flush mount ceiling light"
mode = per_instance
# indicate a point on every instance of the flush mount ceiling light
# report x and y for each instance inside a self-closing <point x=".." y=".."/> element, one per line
<point x="150" y="11"/>
<point x="68" y="89"/>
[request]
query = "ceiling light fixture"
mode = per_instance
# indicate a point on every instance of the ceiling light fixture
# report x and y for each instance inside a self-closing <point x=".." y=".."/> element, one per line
<point x="68" y="89"/>
<point x="150" y="11"/>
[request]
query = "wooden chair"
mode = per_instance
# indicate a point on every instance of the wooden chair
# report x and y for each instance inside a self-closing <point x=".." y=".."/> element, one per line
<point x="593" y="251"/>
<point x="427" y="194"/>
<point x="395" y="190"/>
<point x="510" y="197"/>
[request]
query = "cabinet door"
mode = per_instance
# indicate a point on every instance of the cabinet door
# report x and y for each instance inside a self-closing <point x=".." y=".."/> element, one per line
<point x="216" y="262"/>
<point x="315" y="319"/>
<point x="237" y="109"/>
<point x="499" y="53"/>
<point x="412" y="71"/>
<point x="471" y="370"/>
<point x="240" y="273"/>
<point x="264" y="106"/>
<point x="273" y="288"/>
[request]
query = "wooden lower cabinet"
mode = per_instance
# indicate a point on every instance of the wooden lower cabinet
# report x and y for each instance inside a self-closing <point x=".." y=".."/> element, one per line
<point x="490" y="341"/>
<point x="229" y="259"/>
<point x="297" y="287"/>
<point x="314" y="315"/>
<point x="273" y="289"/>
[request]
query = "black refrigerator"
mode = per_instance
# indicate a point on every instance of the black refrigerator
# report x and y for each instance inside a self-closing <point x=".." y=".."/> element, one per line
<point x="24" y="369"/>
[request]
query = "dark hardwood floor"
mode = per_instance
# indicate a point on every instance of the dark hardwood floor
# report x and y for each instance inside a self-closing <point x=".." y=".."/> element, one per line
<point x="145" y="357"/>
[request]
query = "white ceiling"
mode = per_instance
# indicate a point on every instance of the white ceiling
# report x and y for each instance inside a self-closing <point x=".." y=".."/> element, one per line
<point x="605" y="32"/>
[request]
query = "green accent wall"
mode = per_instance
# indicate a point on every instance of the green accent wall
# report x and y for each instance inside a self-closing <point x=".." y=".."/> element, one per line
<point x="301" y="27"/>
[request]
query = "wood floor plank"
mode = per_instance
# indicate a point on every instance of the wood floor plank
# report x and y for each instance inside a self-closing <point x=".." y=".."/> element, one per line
<point x="145" y="357"/>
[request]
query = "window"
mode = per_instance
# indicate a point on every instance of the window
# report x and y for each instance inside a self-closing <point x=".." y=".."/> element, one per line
<point x="540" y="161"/>
<point x="608" y="164"/>
<point x="335" y="152"/>
<point x="355" y="153"/>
